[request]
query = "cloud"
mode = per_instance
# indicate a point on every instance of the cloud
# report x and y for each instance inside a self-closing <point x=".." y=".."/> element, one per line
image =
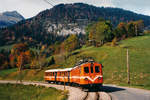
<point x="104" y="3"/>
<point x="28" y="8"/>
<point x="133" y="3"/>
<point x="138" y="6"/>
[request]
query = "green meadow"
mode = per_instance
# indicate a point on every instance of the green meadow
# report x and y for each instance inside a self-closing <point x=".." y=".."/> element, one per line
<point x="30" y="92"/>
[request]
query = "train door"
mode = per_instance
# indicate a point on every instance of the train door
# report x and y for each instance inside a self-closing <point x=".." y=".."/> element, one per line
<point x="68" y="76"/>
<point x="55" y="76"/>
<point x="91" y="70"/>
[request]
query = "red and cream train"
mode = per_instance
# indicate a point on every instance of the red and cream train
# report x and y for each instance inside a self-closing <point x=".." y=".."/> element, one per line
<point x="87" y="74"/>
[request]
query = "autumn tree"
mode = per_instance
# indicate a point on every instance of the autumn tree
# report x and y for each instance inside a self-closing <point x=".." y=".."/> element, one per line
<point x="138" y="25"/>
<point x="71" y="43"/>
<point x="89" y="28"/>
<point x="21" y="47"/>
<point x="130" y="29"/>
<point x="91" y="34"/>
<point x="101" y="32"/>
<point x="120" y="32"/>
<point x="39" y="60"/>
<point x="20" y="63"/>
<point x="21" y="56"/>
<point x="12" y="61"/>
<point x="135" y="28"/>
<point x="2" y="60"/>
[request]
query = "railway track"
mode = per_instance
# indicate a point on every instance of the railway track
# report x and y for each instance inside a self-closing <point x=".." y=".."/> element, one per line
<point x="92" y="96"/>
<point x="96" y="96"/>
<point x="86" y="96"/>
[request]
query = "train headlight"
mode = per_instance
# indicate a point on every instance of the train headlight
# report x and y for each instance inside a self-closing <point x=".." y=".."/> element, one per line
<point x="99" y="78"/>
<point x="86" y="79"/>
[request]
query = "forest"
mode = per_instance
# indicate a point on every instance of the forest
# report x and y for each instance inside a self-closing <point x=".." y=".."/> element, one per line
<point x="22" y="56"/>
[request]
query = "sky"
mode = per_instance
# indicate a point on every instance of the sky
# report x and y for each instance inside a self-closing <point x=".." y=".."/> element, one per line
<point x="30" y="8"/>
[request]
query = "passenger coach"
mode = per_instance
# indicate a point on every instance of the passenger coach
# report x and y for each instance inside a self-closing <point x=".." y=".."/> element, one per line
<point x="85" y="74"/>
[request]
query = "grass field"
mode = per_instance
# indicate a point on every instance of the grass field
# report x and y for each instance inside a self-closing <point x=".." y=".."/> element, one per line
<point x="113" y="59"/>
<point x="30" y="92"/>
<point x="12" y="74"/>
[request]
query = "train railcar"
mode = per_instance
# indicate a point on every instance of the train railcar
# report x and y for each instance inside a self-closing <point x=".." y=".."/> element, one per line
<point x="87" y="74"/>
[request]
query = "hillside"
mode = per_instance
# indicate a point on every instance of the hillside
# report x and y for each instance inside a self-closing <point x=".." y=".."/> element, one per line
<point x="9" y="18"/>
<point x="55" y="24"/>
<point x="112" y="58"/>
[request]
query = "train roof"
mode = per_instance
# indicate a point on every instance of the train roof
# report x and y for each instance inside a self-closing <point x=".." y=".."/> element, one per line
<point x="81" y="62"/>
<point x="59" y="70"/>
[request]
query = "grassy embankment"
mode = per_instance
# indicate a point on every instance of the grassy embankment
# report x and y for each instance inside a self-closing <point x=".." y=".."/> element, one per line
<point x="30" y="92"/>
<point x="113" y="59"/>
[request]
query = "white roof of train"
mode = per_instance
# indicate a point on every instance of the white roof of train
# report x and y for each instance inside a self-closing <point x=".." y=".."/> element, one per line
<point x="62" y="70"/>
<point x="59" y="70"/>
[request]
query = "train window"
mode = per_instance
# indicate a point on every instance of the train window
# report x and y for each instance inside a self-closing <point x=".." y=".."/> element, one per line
<point x="46" y="74"/>
<point x="97" y="69"/>
<point x="91" y="69"/>
<point x="86" y="69"/>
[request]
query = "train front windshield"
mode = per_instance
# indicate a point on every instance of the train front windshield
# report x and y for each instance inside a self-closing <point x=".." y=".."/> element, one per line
<point x="86" y="69"/>
<point x="92" y="69"/>
<point x="97" y="69"/>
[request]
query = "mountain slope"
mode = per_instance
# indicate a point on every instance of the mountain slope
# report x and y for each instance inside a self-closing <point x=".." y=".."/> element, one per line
<point x="52" y="25"/>
<point x="72" y="12"/>
<point x="10" y="18"/>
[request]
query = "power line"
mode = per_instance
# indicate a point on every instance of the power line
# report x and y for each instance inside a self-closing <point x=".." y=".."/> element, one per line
<point x="68" y="0"/>
<point x="49" y="3"/>
<point x="53" y="1"/>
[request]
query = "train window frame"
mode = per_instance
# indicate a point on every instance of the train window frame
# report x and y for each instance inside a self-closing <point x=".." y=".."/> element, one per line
<point x="91" y="68"/>
<point x="65" y="73"/>
<point x="86" y="70"/>
<point x="80" y="70"/>
<point x="97" y="70"/>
